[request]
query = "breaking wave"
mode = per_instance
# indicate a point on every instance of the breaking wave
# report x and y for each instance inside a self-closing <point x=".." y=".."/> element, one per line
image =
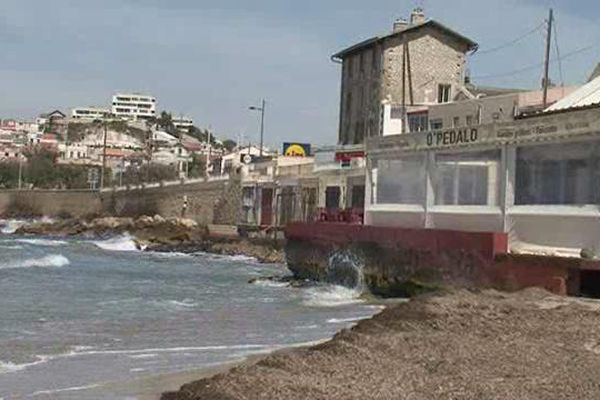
<point x="331" y="296"/>
<point x="8" y="227"/>
<point x="119" y="243"/>
<point x="49" y="261"/>
<point x="8" y="367"/>
<point x="42" y="242"/>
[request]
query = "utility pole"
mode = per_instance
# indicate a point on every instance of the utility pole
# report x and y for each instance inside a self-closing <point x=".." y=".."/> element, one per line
<point x="207" y="152"/>
<point x="262" y="126"/>
<point x="20" y="170"/>
<point x="262" y="109"/>
<point x="404" y="87"/>
<point x="547" y="59"/>
<point x="103" y="157"/>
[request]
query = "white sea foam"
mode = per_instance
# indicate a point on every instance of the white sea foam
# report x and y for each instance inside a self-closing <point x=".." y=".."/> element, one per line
<point x="69" y="389"/>
<point x="10" y="247"/>
<point x="331" y="296"/>
<point x="143" y="356"/>
<point x="8" y="227"/>
<point x="49" y="261"/>
<point x="119" y="243"/>
<point x="345" y="320"/>
<point x="171" y="350"/>
<point x="42" y="242"/>
<point x="271" y="283"/>
<point x="9" y="367"/>
<point x="187" y="303"/>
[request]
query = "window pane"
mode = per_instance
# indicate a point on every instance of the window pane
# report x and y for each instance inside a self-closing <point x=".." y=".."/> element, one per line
<point x="401" y="181"/>
<point x="558" y="174"/>
<point x="467" y="179"/>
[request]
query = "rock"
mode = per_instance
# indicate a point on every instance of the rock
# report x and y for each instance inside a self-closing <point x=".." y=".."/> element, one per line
<point x="112" y="223"/>
<point x="144" y="221"/>
<point x="158" y="219"/>
<point x="184" y="222"/>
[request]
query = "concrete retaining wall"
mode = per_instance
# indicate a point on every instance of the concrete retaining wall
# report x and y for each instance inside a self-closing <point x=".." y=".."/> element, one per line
<point x="207" y="202"/>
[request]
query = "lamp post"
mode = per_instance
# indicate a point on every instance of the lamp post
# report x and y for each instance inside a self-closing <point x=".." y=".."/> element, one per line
<point x="262" y="122"/>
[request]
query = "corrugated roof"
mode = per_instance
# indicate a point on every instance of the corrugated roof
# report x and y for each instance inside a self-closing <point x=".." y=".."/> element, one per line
<point x="471" y="45"/>
<point x="587" y="95"/>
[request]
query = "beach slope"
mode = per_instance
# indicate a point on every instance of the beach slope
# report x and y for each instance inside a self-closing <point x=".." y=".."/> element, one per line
<point x="458" y="345"/>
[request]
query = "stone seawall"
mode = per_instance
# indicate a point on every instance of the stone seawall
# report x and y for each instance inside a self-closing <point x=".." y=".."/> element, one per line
<point x="207" y="202"/>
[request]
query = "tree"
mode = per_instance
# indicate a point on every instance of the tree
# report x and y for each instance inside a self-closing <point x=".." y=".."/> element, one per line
<point x="197" y="167"/>
<point x="229" y="145"/>
<point x="165" y="121"/>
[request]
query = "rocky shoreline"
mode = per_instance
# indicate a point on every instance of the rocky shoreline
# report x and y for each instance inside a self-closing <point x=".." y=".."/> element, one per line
<point x="458" y="345"/>
<point x="161" y="235"/>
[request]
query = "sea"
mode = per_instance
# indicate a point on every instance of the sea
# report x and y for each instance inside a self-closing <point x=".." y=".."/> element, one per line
<point x="81" y="318"/>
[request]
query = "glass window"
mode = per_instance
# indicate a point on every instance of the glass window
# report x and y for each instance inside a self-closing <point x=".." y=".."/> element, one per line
<point x="436" y="124"/>
<point x="456" y="122"/>
<point x="469" y="120"/>
<point x="467" y="178"/>
<point x="558" y="174"/>
<point x="418" y="122"/>
<point x="401" y="181"/>
<point x="444" y="93"/>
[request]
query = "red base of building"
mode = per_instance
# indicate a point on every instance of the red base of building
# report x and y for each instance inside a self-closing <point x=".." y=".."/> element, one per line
<point x="394" y="256"/>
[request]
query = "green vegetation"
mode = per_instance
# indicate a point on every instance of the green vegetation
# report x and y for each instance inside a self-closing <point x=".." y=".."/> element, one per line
<point x="149" y="173"/>
<point x="41" y="171"/>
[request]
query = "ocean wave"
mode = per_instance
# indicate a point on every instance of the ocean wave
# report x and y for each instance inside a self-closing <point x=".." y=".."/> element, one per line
<point x="345" y="320"/>
<point x="226" y="257"/>
<point x="118" y="243"/>
<point x="42" y="242"/>
<point x="49" y="261"/>
<point x="69" y="389"/>
<point x="9" y="367"/>
<point x="331" y="296"/>
<point x="8" y="227"/>
<point x="187" y="303"/>
<point x="143" y="356"/>
<point x="270" y="283"/>
<point x="10" y="246"/>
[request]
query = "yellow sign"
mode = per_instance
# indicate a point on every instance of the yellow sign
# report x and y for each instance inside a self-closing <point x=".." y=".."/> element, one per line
<point x="296" y="150"/>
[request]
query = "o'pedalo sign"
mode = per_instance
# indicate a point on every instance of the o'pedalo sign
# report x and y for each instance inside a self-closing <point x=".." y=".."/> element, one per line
<point x="452" y="137"/>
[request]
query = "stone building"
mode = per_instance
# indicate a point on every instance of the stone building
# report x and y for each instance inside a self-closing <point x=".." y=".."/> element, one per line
<point x="392" y="77"/>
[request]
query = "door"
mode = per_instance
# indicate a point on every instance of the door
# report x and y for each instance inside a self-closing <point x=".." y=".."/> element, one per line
<point x="332" y="197"/>
<point x="266" y="207"/>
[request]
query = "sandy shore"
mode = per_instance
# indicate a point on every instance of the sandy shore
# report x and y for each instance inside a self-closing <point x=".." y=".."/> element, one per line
<point x="462" y="345"/>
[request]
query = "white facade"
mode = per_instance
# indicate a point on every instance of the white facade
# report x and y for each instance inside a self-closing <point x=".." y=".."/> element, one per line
<point x="535" y="179"/>
<point x="89" y="113"/>
<point x="134" y="106"/>
<point x="183" y="123"/>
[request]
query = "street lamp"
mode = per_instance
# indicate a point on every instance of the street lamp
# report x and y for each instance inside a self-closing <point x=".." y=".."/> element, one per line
<point x="262" y="122"/>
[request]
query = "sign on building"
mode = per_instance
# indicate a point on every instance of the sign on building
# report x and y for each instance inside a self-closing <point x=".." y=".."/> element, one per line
<point x="296" y="149"/>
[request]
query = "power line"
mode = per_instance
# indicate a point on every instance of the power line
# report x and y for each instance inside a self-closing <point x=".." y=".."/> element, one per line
<point x="512" y="42"/>
<point x="534" y="66"/>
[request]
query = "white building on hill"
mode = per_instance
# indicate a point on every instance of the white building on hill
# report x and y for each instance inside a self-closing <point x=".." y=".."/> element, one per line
<point x="134" y="106"/>
<point x="183" y="123"/>
<point x="89" y="113"/>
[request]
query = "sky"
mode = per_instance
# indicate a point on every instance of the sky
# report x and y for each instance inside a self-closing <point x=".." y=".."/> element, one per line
<point x="211" y="60"/>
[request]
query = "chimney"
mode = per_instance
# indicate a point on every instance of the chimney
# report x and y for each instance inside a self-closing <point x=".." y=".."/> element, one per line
<point x="417" y="16"/>
<point x="400" y="24"/>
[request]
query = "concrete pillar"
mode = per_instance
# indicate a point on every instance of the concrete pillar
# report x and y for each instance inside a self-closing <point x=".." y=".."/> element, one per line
<point x="507" y="189"/>
<point x="429" y="189"/>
